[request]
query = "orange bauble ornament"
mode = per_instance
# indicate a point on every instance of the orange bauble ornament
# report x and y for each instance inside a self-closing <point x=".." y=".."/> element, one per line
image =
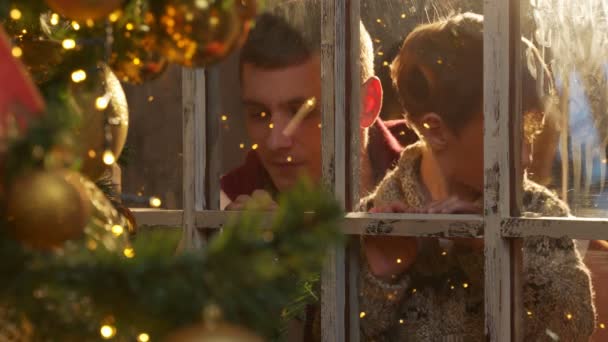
<point x="196" y="35"/>
<point x="84" y="9"/>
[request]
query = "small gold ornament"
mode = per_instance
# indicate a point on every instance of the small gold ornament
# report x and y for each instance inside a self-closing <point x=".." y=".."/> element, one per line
<point x="197" y="33"/>
<point x="84" y="9"/>
<point x="47" y="208"/>
<point x="214" y="332"/>
<point x="104" y="121"/>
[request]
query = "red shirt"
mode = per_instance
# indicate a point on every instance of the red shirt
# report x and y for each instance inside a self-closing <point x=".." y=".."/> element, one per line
<point x="386" y="141"/>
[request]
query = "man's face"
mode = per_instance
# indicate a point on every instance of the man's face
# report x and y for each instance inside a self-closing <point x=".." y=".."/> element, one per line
<point x="271" y="98"/>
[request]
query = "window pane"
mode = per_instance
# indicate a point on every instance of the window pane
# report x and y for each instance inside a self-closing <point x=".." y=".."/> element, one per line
<point x="434" y="88"/>
<point x="152" y="172"/>
<point x="267" y="104"/>
<point x="569" y="150"/>
<point x="563" y="83"/>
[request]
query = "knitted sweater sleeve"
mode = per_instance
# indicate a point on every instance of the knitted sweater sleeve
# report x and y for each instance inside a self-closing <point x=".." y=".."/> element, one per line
<point x="557" y="285"/>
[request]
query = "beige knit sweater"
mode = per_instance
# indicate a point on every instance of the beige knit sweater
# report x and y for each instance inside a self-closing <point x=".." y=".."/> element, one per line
<point x="441" y="297"/>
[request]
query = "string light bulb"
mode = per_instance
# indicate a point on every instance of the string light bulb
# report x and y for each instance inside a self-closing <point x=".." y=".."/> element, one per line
<point x="362" y="314"/>
<point x="129" y="26"/>
<point x="15" y="14"/>
<point x="136" y="61"/>
<point x="79" y="76"/>
<point x="17" y="52"/>
<point x="54" y="19"/>
<point x="117" y="230"/>
<point x="143" y="337"/>
<point x="114" y="16"/>
<point x="224" y="117"/>
<point x="155" y="202"/>
<point x="465" y="285"/>
<point x="108" y="157"/>
<point x="102" y="102"/>
<point x="254" y="146"/>
<point x="399" y="261"/>
<point x="75" y="25"/>
<point x="129" y="252"/>
<point x="68" y="44"/>
<point x="602" y="326"/>
<point x="107" y="331"/>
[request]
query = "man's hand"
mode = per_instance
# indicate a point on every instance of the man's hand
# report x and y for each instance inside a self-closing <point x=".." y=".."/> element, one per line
<point x="259" y="200"/>
<point x="390" y="256"/>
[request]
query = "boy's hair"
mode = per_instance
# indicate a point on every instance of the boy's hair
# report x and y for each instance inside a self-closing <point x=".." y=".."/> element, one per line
<point x="291" y="34"/>
<point x="440" y="69"/>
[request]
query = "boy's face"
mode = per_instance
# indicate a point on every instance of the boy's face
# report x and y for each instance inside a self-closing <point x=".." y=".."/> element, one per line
<point x="271" y="98"/>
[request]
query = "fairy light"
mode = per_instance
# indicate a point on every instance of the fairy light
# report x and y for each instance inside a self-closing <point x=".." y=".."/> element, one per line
<point x="117" y="230"/>
<point x="602" y="326"/>
<point x="362" y="314"/>
<point x="79" y="76"/>
<point x="319" y="125"/>
<point x="214" y="21"/>
<point x="24" y="31"/>
<point x="17" y="52"/>
<point x="114" y="16"/>
<point x="107" y="331"/>
<point x="399" y="261"/>
<point x="150" y="98"/>
<point x="271" y="125"/>
<point x="68" y="44"/>
<point x="426" y="125"/>
<point x="380" y="53"/>
<point x="254" y="146"/>
<point x="401" y="321"/>
<point x="108" y="157"/>
<point x="452" y="287"/>
<point x="403" y="15"/>
<point x="385" y="63"/>
<point x="129" y="252"/>
<point x="263" y="114"/>
<point x="529" y="313"/>
<point x="414" y="290"/>
<point x="54" y="19"/>
<point x="90" y="23"/>
<point x="241" y="146"/>
<point x="15" y="14"/>
<point x="75" y="25"/>
<point x="92" y="154"/>
<point x="569" y="316"/>
<point x="224" y="117"/>
<point x="402" y="133"/>
<point x="129" y="26"/>
<point x="379" y="21"/>
<point x="136" y="61"/>
<point x="143" y="337"/>
<point x="465" y="285"/>
<point x="102" y="102"/>
<point x="444" y="253"/>
<point x="155" y="202"/>
<point x="439" y="61"/>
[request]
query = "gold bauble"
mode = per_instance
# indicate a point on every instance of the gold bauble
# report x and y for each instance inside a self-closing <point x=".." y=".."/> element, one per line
<point x="40" y="57"/>
<point x="91" y="134"/>
<point x="47" y="208"/>
<point x="135" y="54"/>
<point x="214" y="332"/>
<point x="84" y="9"/>
<point x="196" y="35"/>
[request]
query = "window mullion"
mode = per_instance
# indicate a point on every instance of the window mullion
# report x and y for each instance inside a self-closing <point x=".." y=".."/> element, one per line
<point x="496" y="166"/>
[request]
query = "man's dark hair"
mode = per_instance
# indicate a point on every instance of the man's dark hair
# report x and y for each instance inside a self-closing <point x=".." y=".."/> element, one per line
<point x="290" y="34"/>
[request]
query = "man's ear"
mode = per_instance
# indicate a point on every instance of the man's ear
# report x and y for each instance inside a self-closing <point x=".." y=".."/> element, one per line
<point x="433" y="130"/>
<point x="371" y="101"/>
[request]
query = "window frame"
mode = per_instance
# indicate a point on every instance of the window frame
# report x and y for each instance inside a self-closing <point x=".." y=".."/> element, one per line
<point x="500" y="225"/>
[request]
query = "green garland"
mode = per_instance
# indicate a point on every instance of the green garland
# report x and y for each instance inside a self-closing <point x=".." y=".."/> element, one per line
<point x="250" y="270"/>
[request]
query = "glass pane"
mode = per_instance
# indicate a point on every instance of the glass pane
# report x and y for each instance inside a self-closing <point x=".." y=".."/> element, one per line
<point x="152" y="168"/>
<point x="569" y="151"/>
<point x="399" y="105"/>
<point x="424" y="154"/>
<point x="267" y="100"/>
<point x="563" y="84"/>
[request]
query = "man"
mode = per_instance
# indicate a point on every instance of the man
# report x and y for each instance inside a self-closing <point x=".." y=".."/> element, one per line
<point x="280" y="71"/>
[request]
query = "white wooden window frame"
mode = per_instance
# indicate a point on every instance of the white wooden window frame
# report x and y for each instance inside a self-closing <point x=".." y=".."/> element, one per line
<point x="499" y="226"/>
